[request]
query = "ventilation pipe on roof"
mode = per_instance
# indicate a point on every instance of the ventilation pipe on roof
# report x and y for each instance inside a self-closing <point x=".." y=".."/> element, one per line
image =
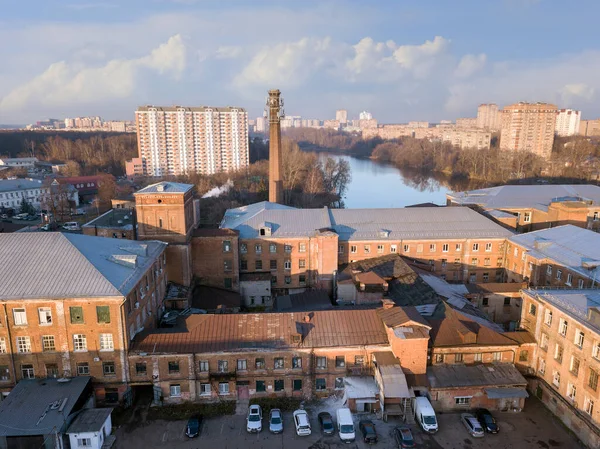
<point x="387" y="303"/>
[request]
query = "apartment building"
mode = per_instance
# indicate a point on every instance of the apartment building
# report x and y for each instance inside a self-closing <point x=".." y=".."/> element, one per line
<point x="341" y="115"/>
<point x="19" y="162"/>
<point x="489" y="117"/>
<point x="589" y="128"/>
<point x="467" y="123"/>
<point x="418" y="124"/>
<point x="561" y="257"/>
<point x="331" y="124"/>
<point x="467" y="138"/>
<point x="72" y="304"/>
<point x="134" y="167"/>
<point x="567" y="122"/>
<point x="529" y="127"/>
<point x="566" y="326"/>
<point x="178" y="140"/>
<point x="534" y="207"/>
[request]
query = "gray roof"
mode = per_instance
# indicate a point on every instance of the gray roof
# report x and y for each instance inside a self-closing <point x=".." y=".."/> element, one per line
<point x="8" y="160"/>
<point x="90" y="420"/>
<point x="485" y="375"/>
<point x="167" y="187"/>
<point x="576" y="303"/>
<point x="58" y="265"/>
<point x="573" y="247"/>
<point x="525" y="197"/>
<point x="111" y="219"/>
<point x="363" y="224"/>
<point x="27" y="410"/>
<point x="11" y="185"/>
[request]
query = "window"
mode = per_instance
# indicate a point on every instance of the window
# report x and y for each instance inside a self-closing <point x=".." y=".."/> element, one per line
<point x="339" y="383"/>
<point x="487" y="262"/>
<point x="556" y="378"/>
<point x="260" y="386"/>
<point x="227" y="266"/>
<point x="20" y="317"/>
<point x="462" y="400"/>
<point x="320" y="385"/>
<point x="458" y="358"/>
<point x="485" y="277"/>
<point x="302" y="247"/>
<point x="108" y="369"/>
<point x="223" y="366"/>
<point x="596" y="350"/>
<point x="420" y="248"/>
<point x="52" y="370"/>
<point x="367" y="249"/>
<point x="287" y="248"/>
<point x="359" y="360"/>
<point x="526" y="217"/>
<point x="497" y="356"/>
<point x="279" y="384"/>
<point x="593" y="379"/>
<point x="258" y="264"/>
<point x="23" y="344"/>
<point x="595" y="216"/>
<point x="27" y="372"/>
<point x="175" y="390"/>
<point x="457" y="261"/>
<point x="340" y="361"/>
<point x="340" y="249"/>
<point x="103" y="314"/>
<point x="45" y="314"/>
<point x="548" y="318"/>
<point x="432" y="247"/>
<point x="278" y="363"/>
<point x="516" y="252"/>
<point x="488" y="247"/>
<point x="542" y="366"/>
<point x="321" y="362"/>
<point x="439" y="358"/>
<point x="140" y="368"/>
<point x="242" y="365"/>
<point x="549" y="270"/>
<point x="559" y="274"/>
<point x="588" y="406"/>
<point x="475" y="246"/>
<point x="83" y="369"/>
<point x="76" y="314"/>
<point x="563" y="327"/>
<point x="302" y="279"/>
<point x="174" y="367"/>
<point x="580" y="283"/>
<point x="287" y="265"/>
<point x="288" y="279"/>
<point x="523" y="355"/>
<point x="205" y="390"/>
<point x="474" y="260"/>
<point x="558" y="353"/>
<point x="79" y="342"/>
<point x="296" y="362"/>
<point x="574" y="366"/>
<point x="244" y="248"/>
<point x="302" y="263"/>
<point x="579" y="338"/>
<point x="259" y="363"/>
<point x="458" y="247"/>
<point x="445" y="247"/>
<point x="393" y="249"/>
<point x="352" y="249"/>
<point x="380" y="249"/>
<point x="571" y="391"/>
<point x="84" y="442"/>
<point x="544" y="342"/>
<point x="406" y="248"/>
<point x="272" y="248"/>
<point x="203" y="366"/>
<point x="532" y="309"/>
<point x="3" y="345"/>
<point x="243" y="264"/>
<point x="106" y="342"/>
<point x="48" y="343"/>
<point x="297" y="384"/>
<point x="485" y="302"/>
<point x="226" y="246"/>
<point x="507" y="301"/>
<point x="477" y="357"/>
<point x="569" y="279"/>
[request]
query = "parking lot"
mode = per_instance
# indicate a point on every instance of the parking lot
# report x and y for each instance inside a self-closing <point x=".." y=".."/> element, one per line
<point x="533" y="428"/>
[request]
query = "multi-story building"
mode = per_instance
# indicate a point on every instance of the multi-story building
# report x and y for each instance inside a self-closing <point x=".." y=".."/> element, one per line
<point x="418" y="124"/>
<point x="488" y="117"/>
<point x="341" y="115"/>
<point x="261" y="124"/>
<point x="73" y="303"/>
<point x="331" y="124"/>
<point x="468" y="138"/>
<point x="135" y="167"/>
<point x="364" y="115"/>
<point x="115" y="223"/>
<point x="530" y="208"/>
<point x="567" y="122"/>
<point x="36" y="193"/>
<point x="466" y="123"/>
<point x="529" y="127"/>
<point x="19" y="162"/>
<point x="178" y="140"/>
<point x="566" y="326"/>
<point x="589" y="128"/>
<point x="562" y="257"/>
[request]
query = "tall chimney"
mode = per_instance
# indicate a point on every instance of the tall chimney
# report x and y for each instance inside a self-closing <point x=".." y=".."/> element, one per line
<point x="275" y="113"/>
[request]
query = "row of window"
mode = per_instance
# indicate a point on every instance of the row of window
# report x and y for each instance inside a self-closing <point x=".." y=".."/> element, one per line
<point x="366" y="248"/>
<point x="258" y="247"/>
<point x="48" y="343"/>
<point x="75" y="313"/>
<point x="83" y="369"/>
<point x="574" y="366"/>
<point x="258" y="264"/>
<point x="477" y="357"/>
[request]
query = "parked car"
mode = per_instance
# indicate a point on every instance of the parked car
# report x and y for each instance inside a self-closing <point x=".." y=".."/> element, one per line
<point x="254" y="419"/>
<point x="403" y="437"/>
<point x="71" y="226"/>
<point x="326" y="422"/>
<point x="345" y="425"/>
<point x="192" y="430"/>
<point x="275" y="421"/>
<point x="472" y="425"/>
<point x="302" y="423"/>
<point x="487" y="421"/>
<point x="4" y="216"/>
<point x="367" y="428"/>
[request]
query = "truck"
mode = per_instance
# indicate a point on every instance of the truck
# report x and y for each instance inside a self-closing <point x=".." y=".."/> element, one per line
<point x="425" y="415"/>
<point x="345" y="425"/>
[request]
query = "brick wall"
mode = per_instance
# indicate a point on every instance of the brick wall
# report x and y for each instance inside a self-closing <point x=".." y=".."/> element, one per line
<point x="215" y="259"/>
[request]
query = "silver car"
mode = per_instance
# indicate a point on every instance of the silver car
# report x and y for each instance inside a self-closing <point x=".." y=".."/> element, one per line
<point x="472" y="425"/>
<point x="275" y="421"/>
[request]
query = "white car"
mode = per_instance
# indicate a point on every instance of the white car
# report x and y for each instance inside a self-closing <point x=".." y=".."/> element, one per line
<point x="301" y="422"/>
<point x="71" y="226"/>
<point x="254" y="419"/>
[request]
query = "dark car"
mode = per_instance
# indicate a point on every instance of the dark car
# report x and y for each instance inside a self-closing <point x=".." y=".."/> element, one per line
<point x="404" y="437"/>
<point x="367" y="428"/>
<point x="487" y="421"/>
<point x="192" y="429"/>
<point x="326" y="422"/>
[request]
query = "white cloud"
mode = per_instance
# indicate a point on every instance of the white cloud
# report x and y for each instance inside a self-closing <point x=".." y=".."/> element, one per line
<point x="228" y="52"/>
<point x="66" y="83"/>
<point x="470" y="64"/>
<point x="578" y="91"/>
<point x="420" y="59"/>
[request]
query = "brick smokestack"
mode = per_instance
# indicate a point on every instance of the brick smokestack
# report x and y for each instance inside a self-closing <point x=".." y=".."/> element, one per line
<point x="275" y="114"/>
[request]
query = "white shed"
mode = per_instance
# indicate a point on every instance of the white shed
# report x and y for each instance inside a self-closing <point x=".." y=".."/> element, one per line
<point x="91" y="429"/>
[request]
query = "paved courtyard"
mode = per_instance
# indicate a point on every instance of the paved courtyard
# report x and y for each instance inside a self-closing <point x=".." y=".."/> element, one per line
<point x="533" y="428"/>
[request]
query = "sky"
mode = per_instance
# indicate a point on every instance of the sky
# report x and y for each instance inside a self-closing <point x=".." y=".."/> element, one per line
<point x="400" y="60"/>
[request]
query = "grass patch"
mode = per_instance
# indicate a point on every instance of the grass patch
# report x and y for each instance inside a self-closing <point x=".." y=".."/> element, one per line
<point x="184" y="411"/>
<point x="285" y="404"/>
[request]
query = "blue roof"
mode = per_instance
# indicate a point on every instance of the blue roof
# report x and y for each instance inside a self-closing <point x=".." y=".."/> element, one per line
<point x="166" y="187"/>
<point x="11" y="185"/>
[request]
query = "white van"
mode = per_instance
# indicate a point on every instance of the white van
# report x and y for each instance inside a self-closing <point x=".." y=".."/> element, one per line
<point x="71" y="226"/>
<point x="425" y="415"/>
<point x="345" y="425"/>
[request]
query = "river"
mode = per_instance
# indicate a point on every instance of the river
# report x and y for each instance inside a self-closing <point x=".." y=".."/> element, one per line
<point x="379" y="185"/>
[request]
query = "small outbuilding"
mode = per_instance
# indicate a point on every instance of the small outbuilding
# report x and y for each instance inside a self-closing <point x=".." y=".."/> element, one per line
<point x="92" y="429"/>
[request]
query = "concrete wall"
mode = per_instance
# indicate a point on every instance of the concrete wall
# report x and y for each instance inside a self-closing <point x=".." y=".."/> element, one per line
<point x="260" y="290"/>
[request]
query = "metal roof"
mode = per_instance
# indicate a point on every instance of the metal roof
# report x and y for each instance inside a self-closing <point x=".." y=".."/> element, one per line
<point x="11" y="185"/>
<point x="33" y="407"/>
<point x="506" y="393"/>
<point x="392" y="376"/>
<point x="167" y="187"/>
<point x="90" y="420"/>
<point x="484" y="375"/>
<point x="363" y="224"/>
<point x="57" y="265"/>
<point x="525" y="197"/>
<point x="573" y="247"/>
<point x="113" y="218"/>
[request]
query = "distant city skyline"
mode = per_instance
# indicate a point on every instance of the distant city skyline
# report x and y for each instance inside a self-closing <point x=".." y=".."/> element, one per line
<point x="399" y="61"/>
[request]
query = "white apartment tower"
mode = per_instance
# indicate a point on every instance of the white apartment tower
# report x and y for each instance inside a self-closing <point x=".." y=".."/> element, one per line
<point x="488" y="117"/>
<point x="364" y="115"/>
<point x="178" y="140"/>
<point x="567" y="122"/>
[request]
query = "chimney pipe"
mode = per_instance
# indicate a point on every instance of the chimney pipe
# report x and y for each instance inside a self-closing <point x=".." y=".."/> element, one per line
<point x="275" y="113"/>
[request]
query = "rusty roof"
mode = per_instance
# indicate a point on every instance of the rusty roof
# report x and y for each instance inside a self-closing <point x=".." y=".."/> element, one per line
<point x="495" y="287"/>
<point x="370" y="278"/>
<point x="521" y="337"/>
<point x="235" y="332"/>
<point x="401" y="316"/>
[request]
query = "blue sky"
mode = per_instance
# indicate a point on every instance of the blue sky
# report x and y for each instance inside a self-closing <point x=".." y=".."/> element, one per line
<point x="401" y="60"/>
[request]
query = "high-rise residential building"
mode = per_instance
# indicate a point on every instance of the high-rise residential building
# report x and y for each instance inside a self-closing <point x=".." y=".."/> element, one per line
<point x="261" y="124"/>
<point x="364" y="115"/>
<point x="341" y="115"/>
<point x="567" y="122"/>
<point x="589" y="128"/>
<point x="177" y="140"/>
<point x="488" y="117"/>
<point x="529" y="127"/>
<point x="466" y="123"/>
